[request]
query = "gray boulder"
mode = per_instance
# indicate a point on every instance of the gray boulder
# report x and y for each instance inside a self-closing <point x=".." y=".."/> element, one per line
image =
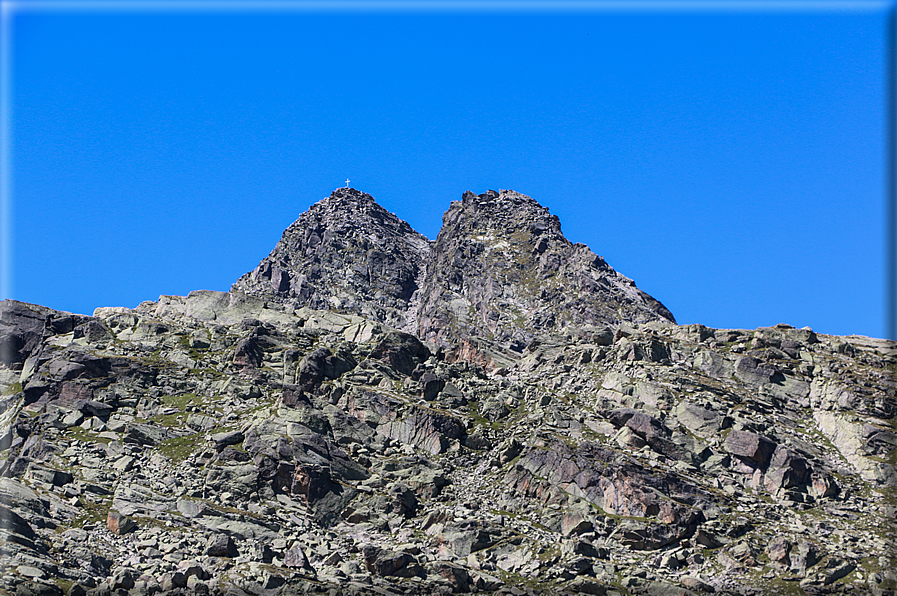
<point x="750" y="446"/>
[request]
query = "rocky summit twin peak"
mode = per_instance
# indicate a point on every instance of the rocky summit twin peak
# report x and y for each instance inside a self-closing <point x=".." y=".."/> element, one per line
<point x="500" y="270"/>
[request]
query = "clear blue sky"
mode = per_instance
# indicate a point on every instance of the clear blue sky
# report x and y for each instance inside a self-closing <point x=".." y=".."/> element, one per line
<point x="730" y="161"/>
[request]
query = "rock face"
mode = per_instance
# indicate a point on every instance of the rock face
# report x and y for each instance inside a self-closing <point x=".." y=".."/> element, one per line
<point x="228" y="443"/>
<point x="499" y="271"/>
<point x="502" y="270"/>
<point x="348" y="254"/>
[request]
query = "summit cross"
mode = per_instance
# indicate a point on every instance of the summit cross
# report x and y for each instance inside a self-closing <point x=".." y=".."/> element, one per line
<point x="347" y="183"/>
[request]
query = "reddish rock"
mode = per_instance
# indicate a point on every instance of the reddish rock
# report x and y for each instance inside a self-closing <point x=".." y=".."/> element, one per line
<point x="119" y="524"/>
<point x="248" y="354"/>
<point x="458" y="577"/>
<point x="778" y="549"/>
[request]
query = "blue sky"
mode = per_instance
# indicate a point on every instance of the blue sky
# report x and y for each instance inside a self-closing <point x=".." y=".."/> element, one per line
<point x="730" y="161"/>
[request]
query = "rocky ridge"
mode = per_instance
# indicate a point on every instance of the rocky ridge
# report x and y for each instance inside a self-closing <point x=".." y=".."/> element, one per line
<point x="227" y="443"/>
<point x="499" y="271"/>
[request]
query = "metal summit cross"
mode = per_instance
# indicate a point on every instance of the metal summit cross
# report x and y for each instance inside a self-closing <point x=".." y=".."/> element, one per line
<point x="347" y="183"/>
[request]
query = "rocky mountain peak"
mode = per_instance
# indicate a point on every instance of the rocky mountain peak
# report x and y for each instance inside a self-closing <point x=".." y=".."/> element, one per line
<point x="348" y="208"/>
<point x="224" y="443"/>
<point x="348" y="198"/>
<point x="500" y="270"/>
<point x="345" y="253"/>
<point x="505" y="213"/>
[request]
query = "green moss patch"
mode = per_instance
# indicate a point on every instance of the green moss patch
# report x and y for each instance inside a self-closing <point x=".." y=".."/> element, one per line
<point x="13" y="389"/>
<point x="181" y="401"/>
<point x="180" y="448"/>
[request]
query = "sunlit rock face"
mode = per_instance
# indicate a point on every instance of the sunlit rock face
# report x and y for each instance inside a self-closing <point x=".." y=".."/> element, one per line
<point x="500" y="270"/>
<point x="348" y="254"/>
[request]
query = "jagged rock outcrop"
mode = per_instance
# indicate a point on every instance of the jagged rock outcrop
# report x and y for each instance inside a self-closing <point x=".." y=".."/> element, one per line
<point x="226" y="443"/>
<point x="345" y="455"/>
<point x="346" y="253"/>
<point x="499" y="271"/>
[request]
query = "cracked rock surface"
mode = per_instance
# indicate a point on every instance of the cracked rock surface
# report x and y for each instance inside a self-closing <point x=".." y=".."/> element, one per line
<point x="499" y="271"/>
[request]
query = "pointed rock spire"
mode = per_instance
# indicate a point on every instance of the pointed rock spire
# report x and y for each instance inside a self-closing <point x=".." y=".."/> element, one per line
<point x="345" y="253"/>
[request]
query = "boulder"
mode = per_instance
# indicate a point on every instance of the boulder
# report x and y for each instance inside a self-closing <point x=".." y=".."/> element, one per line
<point x="430" y="386"/>
<point x="384" y="563"/>
<point x="803" y="556"/>
<point x="464" y="538"/>
<point x="786" y="470"/>
<point x="750" y="446"/>
<point x="220" y="545"/>
<point x="457" y="577"/>
<point x="144" y="434"/>
<point x="223" y="439"/>
<point x="697" y="418"/>
<point x="326" y="497"/>
<point x="295" y="557"/>
<point x="248" y="353"/>
<point x="239" y="479"/>
<point x="755" y="372"/>
<point x="120" y="525"/>
<point x="17" y="497"/>
<point x="190" y="509"/>
<point x="21" y="330"/>
<point x="402" y="352"/>
<point x="778" y="551"/>
<point x="131" y="499"/>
